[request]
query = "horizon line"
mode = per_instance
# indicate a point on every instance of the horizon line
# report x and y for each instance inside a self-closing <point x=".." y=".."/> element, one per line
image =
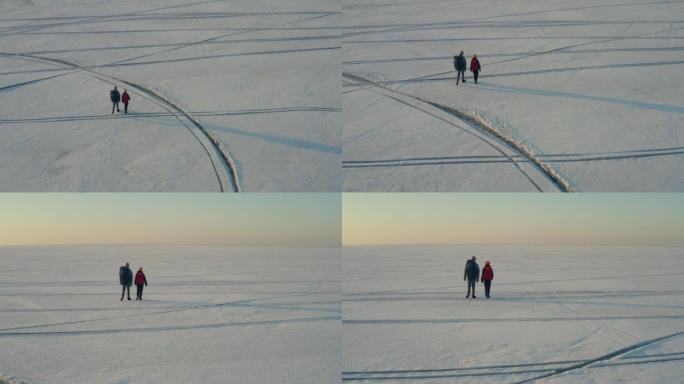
<point x="171" y="245"/>
<point x="511" y="245"/>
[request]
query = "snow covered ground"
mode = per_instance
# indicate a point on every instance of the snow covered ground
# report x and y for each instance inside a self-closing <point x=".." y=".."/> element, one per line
<point x="574" y="95"/>
<point x="209" y="315"/>
<point x="248" y="95"/>
<point x="604" y="314"/>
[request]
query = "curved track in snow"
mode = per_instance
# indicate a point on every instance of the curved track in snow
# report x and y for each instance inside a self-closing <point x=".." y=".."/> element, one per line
<point x="171" y="327"/>
<point x="221" y="159"/>
<point x="474" y="121"/>
<point x="547" y="368"/>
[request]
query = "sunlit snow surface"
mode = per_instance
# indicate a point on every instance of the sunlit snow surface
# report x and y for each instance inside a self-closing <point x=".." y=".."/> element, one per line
<point x="406" y="319"/>
<point x="209" y="315"/>
<point x="594" y="88"/>
<point x="260" y="77"/>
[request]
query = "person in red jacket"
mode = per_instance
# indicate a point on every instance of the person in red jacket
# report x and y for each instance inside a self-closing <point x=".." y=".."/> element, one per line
<point x="475" y="67"/>
<point x="487" y="277"/>
<point x="125" y="98"/>
<point x="140" y="280"/>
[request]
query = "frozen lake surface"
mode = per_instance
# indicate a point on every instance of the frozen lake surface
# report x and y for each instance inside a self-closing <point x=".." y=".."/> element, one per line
<point x="209" y="315"/>
<point x="226" y="95"/>
<point x="579" y="315"/>
<point x="574" y="95"/>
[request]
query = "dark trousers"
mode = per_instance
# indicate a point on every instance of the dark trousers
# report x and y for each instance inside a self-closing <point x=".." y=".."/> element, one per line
<point x="115" y="105"/>
<point x="138" y="295"/>
<point x="125" y="107"/>
<point x="460" y="74"/>
<point x="471" y="285"/>
<point x="475" y="74"/>
<point x="123" y="290"/>
<point x="488" y="286"/>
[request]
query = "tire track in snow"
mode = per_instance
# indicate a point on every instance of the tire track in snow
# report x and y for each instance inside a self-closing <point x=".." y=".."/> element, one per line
<point x="85" y="19"/>
<point x="507" y="319"/>
<point x="151" y="311"/>
<point x="485" y="159"/>
<point x="224" y="156"/>
<point x="211" y="39"/>
<point x="560" y="49"/>
<point x="603" y="358"/>
<point x="483" y="55"/>
<point x="245" y="303"/>
<point x="172" y="327"/>
<point x="510" y="158"/>
<point x="133" y="115"/>
<point x="475" y="121"/>
<point x="498" y="370"/>
<point x="544" y="294"/>
<point x="29" y="82"/>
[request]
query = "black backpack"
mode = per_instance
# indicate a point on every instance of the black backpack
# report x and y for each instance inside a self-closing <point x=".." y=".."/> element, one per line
<point x="472" y="269"/>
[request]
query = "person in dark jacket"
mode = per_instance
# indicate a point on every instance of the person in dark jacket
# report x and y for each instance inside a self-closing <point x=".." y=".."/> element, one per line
<point x="472" y="274"/>
<point x="487" y="277"/>
<point x="140" y="279"/>
<point x="126" y="280"/>
<point x="475" y="67"/>
<point x="115" y="97"/>
<point x="125" y="98"/>
<point x="460" y="66"/>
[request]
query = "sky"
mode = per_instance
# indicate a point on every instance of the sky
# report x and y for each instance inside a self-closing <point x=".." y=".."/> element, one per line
<point x="167" y="219"/>
<point x="513" y="219"/>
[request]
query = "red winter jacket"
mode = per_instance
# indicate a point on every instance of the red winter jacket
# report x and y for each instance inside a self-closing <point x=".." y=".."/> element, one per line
<point x="474" y="65"/>
<point x="487" y="273"/>
<point x="125" y="98"/>
<point x="140" y="278"/>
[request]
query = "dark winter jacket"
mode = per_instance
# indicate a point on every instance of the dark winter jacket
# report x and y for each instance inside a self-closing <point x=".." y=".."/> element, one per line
<point x="140" y="278"/>
<point x="114" y="96"/>
<point x="487" y="273"/>
<point x="472" y="271"/>
<point x="125" y="276"/>
<point x="475" y="65"/>
<point x="125" y="97"/>
<point x="460" y="63"/>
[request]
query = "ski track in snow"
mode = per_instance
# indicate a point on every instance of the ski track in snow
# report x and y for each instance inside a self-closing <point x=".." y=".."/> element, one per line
<point x="606" y="357"/>
<point x="482" y="125"/>
<point x="405" y="319"/>
<point x="133" y="115"/>
<point x="170" y="328"/>
<point x="237" y="320"/>
<point x="480" y="137"/>
<point x="489" y="159"/>
<point x="225" y="160"/>
<point x="409" y="35"/>
<point x="556" y="368"/>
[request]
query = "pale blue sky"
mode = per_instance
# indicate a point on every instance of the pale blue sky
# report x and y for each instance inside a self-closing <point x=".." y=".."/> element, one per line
<point x="529" y="219"/>
<point x="170" y="218"/>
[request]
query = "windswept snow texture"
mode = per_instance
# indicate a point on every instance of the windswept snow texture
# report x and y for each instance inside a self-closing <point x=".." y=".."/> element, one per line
<point x="262" y="78"/>
<point x="575" y="314"/>
<point x="593" y="88"/>
<point x="209" y="315"/>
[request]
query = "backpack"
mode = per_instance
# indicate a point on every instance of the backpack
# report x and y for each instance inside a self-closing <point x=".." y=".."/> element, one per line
<point x="472" y="269"/>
